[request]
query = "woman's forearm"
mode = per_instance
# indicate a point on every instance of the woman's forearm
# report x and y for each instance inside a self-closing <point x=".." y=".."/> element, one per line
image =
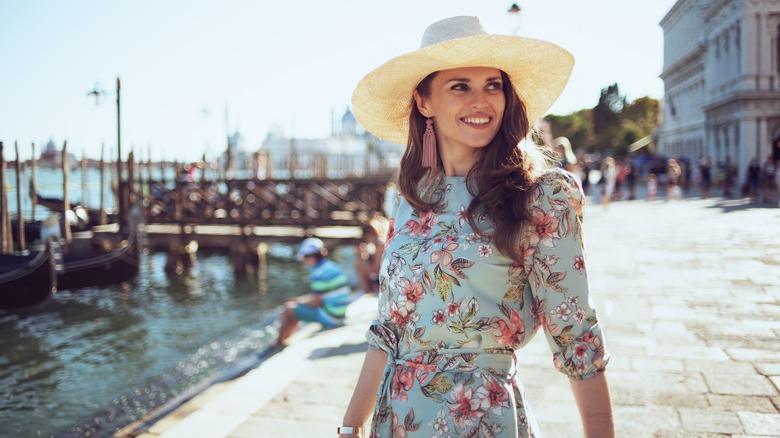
<point x="363" y="398"/>
<point x="595" y="405"/>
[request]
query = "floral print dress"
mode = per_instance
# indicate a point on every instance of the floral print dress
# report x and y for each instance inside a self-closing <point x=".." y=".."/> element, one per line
<point x="453" y="311"/>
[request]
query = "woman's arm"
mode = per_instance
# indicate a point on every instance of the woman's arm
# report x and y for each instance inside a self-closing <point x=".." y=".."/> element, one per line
<point x="595" y="405"/>
<point x="364" y="396"/>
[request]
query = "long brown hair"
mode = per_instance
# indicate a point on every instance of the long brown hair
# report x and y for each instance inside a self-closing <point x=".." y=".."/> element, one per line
<point x="504" y="174"/>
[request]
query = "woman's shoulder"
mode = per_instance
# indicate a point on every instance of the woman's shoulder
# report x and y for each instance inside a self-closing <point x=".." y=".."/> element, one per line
<point x="560" y="182"/>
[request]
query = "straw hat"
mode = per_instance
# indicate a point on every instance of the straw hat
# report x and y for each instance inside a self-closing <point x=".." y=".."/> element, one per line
<point x="539" y="71"/>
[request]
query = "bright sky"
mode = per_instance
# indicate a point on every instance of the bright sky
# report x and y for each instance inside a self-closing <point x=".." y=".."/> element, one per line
<point x="290" y="64"/>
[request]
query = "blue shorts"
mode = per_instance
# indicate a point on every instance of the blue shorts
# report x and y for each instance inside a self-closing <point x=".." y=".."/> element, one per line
<point x="316" y="314"/>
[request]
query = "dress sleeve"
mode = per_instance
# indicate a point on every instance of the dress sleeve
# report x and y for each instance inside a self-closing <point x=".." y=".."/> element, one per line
<point x="559" y="280"/>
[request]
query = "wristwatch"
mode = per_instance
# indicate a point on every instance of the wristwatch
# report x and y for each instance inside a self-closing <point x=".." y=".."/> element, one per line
<point x="348" y="430"/>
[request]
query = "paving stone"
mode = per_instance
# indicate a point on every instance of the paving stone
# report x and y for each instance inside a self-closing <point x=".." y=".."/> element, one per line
<point x="760" y="424"/>
<point x="740" y="384"/>
<point x="768" y="369"/>
<point x="719" y="366"/>
<point x="645" y="420"/>
<point x="652" y="364"/>
<point x="776" y="381"/>
<point x="710" y="420"/>
<point x="737" y="403"/>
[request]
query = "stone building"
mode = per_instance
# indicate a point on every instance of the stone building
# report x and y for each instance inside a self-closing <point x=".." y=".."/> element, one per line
<point x="348" y="151"/>
<point x="721" y="81"/>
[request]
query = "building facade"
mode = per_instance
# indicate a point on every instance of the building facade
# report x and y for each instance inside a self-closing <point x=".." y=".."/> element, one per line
<point x="348" y="151"/>
<point x="721" y="81"/>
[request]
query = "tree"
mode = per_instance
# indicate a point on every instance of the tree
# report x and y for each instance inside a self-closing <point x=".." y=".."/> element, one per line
<point x="611" y="126"/>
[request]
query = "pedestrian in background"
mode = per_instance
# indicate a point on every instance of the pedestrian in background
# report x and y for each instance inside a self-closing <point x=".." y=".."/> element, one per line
<point x="769" y="183"/>
<point x="705" y="175"/>
<point x="485" y="248"/>
<point x="609" y="176"/>
<point x="753" y="180"/>
<point x="673" y="174"/>
<point x="652" y="187"/>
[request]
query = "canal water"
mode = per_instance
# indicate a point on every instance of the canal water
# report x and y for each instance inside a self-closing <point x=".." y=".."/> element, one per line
<point x="89" y="362"/>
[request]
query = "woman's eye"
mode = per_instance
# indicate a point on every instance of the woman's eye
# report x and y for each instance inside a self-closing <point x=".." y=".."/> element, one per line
<point x="495" y="86"/>
<point x="460" y="87"/>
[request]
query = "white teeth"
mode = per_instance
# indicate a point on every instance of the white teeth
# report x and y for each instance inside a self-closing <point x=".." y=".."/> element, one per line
<point x="476" y="120"/>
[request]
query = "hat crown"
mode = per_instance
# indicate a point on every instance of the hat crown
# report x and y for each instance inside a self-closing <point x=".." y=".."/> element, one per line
<point x="450" y="29"/>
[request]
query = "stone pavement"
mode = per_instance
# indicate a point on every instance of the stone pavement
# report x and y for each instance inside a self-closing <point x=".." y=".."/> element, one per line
<point x="689" y="296"/>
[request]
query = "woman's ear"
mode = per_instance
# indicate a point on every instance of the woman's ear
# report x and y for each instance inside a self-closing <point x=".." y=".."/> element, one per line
<point x="422" y="104"/>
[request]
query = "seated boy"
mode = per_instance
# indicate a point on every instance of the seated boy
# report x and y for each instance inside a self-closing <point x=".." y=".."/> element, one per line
<point x="327" y="302"/>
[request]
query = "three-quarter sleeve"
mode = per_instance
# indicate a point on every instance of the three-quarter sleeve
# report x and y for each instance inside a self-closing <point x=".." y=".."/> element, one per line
<point x="559" y="279"/>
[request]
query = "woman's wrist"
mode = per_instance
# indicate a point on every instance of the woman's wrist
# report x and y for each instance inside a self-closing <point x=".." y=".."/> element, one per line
<point x="349" y="431"/>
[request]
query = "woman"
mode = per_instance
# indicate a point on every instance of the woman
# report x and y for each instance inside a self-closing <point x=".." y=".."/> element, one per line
<point x="485" y="246"/>
<point x="609" y="170"/>
<point x="368" y="255"/>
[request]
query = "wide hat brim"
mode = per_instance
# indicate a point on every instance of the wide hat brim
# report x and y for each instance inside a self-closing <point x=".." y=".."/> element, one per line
<point x="539" y="71"/>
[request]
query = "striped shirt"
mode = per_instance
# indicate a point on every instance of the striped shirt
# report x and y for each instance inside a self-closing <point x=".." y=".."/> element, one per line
<point x="327" y="276"/>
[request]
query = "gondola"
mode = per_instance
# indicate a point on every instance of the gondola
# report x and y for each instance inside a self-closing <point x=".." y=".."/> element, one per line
<point x="84" y="216"/>
<point x="99" y="268"/>
<point x="26" y="280"/>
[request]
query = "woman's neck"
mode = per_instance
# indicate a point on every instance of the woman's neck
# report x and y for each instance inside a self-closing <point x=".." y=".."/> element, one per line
<point x="459" y="162"/>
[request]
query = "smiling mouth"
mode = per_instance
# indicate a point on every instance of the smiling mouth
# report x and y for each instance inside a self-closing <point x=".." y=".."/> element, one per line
<point x="476" y="121"/>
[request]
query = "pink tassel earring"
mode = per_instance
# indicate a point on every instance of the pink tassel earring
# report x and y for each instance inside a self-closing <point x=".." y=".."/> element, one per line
<point x="430" y="157"/>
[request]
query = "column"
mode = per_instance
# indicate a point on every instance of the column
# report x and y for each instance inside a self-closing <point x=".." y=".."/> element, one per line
<point x="748" y="142"/>
<point x="765" y="65"/>
<point x="752" y="41"/>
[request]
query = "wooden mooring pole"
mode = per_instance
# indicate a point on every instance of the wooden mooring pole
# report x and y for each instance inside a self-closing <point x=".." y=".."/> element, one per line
<point x="65" y="198"/>
<point x="6" y="239"/>
<point x="20" y="216"/>
<point x="34" y="194"/>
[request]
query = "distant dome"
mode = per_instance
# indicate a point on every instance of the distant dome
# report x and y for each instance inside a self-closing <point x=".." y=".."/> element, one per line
<point x="348" y="123"/>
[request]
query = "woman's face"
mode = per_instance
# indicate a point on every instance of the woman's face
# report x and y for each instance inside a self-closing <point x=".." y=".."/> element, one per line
<point x="467" y="106"/>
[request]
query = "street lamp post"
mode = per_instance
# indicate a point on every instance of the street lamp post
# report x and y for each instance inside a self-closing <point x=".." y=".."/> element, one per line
<point x="121" y="197"/>
<point x="515" y="10"/>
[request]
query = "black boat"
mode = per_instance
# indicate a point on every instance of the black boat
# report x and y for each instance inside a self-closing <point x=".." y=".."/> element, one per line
<point x="82" y="216"/>
<point x="99" y="268"/>
<point x="26" y="280"/>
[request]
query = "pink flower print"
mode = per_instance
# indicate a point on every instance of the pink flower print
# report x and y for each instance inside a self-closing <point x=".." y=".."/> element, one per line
<point x="400" y="315"/>
<point x="402" y="382"/>
<point x="579" y="263"/>
<point x="562" y="312"/>
<point x="491" y="396"/>
<point x="573" y="300"/>
<point x="390" y="231"/>
<point x="511" y="333"/>
<point x="453" y="308"/>
<point x="580" y="350"/>
<point x="412" y="290"/>
<point x="471" y="238"/>
<point x="440" y="424"/>
<point x="444" y="257"/>
<point x="599" y="351"/>
<point x="546" y="226"/>
<point x="485" y="251"/>
<point x="422" y="227"/>
<point x="588" y="337"/>
<point x="439" y="318"/>
<point x="579" y="315"/>
<point x="462" y="215"/>
<point x="460" y="406"/>
<point x="399" y="430"/>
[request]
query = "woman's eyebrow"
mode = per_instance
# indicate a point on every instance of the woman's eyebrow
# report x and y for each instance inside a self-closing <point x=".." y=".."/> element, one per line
<point x="469" y="79"/>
